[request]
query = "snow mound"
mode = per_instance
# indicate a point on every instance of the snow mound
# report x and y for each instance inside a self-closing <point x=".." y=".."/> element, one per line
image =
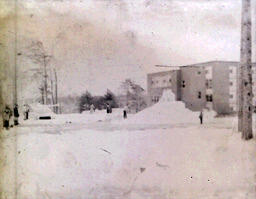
<point x="168" y="96"/>
<point x="209" y="115"/>
<point x="169" y="111"/>
<point x="39" y="110"/>
<point x="165" y="113"/>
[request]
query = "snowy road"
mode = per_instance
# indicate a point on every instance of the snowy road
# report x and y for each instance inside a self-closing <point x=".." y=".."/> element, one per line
<point x="110" y="161"/>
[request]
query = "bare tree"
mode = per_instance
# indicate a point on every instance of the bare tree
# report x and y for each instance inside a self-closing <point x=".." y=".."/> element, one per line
<point x="245" y="74"/>
<point x="134" y="94"/>
<point x="39" y="56"/>
<point x="56" y="91"/>
<point x="52" y="92"/>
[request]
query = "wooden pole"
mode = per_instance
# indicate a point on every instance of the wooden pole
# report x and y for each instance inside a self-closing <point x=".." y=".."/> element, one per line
<point x="246" y="72"/>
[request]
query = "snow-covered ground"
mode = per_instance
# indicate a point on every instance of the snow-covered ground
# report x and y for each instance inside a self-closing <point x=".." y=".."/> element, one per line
<point x="98" y="159"/>
<point x="103" y="156"/>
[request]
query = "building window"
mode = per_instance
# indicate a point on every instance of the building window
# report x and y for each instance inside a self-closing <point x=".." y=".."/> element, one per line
<point x="208" y="83"/>
<point x="209" y="98"/>
<point x="198" y="72"/>
<point x="199" y="95"/>
<point x="230" y="96"/>
<point x="152" y="82"/>
<point x="170" y="80"/>
<point x="183" y="84"/>
<point x="231" y="83"/>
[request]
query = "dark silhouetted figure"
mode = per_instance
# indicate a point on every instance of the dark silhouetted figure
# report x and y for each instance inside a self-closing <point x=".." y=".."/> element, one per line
<point x="16" y="114"/>
<point x="125" y="112"/>
<point x="201" y="117"/>
<point x="109" y="109"/>
<point x="7" y="113"/>
<point x="26" y="111"/>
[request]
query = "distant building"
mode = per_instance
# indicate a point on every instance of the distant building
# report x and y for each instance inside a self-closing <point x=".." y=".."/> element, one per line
<point x="210" y="85"/>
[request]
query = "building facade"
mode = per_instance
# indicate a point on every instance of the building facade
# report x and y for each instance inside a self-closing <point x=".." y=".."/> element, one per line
<point x="211" y="85"/>
<point x="158" y="82"/>
<point x="193" y="89"/>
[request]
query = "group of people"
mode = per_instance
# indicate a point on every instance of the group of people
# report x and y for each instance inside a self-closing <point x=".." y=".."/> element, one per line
<point x="125" y="110"/>
<point x="8" y="113"/>
<point x="109" y="110"/>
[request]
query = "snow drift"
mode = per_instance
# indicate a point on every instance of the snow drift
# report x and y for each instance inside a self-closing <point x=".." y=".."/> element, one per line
<point x="169" y="111"/>
<point x="40" y="110"/>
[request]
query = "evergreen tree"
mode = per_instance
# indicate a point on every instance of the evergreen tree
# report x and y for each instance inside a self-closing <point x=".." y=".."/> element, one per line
<point x="134" y="95"/>
<point x="110" y="98"/>
<point x="85" y="101"/>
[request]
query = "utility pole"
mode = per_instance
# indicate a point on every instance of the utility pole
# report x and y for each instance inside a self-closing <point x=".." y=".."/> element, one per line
<point x="15" y="51"/>
<point x="245" y="74"/>
<point x="15" y="96"/>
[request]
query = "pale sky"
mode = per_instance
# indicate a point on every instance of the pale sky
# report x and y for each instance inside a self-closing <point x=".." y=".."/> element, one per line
<point x="96" y="44"/>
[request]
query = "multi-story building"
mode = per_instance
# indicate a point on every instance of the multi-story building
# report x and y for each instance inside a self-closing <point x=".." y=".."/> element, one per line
<point x="193" y="87"/>
<point x="225" y="86"/>
<point x="210" y="85"/>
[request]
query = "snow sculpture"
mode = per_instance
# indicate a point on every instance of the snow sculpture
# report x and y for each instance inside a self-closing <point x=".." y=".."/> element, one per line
<point x="168" y="96"/>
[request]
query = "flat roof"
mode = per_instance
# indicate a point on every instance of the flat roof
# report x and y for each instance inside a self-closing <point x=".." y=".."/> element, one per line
<point x="211" y="62"/>
<point x="163" y="72"/>
<point x="173" y="68"/>
<point x="202" y="63"/>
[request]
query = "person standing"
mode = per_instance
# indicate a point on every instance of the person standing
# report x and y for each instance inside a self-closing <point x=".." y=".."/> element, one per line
<point x="108" y="109"/>
<point x="201" y="117"/>
<point x="26" y="111"/>
<point x="16" y="114"/>
<point x="125" y="112"/>
<point x="6" y="117"/>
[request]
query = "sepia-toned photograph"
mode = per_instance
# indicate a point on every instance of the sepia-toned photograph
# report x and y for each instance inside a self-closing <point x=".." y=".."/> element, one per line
<point x="127" y="99"/>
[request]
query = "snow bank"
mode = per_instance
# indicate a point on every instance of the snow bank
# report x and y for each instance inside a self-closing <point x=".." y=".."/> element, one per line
<point x="165" y="113"/>
<point x="37" y="110"/>
<point x="169" y="111"/>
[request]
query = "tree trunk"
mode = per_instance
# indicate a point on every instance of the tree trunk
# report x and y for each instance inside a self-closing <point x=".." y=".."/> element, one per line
<point x="45" y="81"/>
<point x="56" y="91"/>
<point x="52" y="95"/>
<point x="42" y="95"/>
<point x="246" y="71"/>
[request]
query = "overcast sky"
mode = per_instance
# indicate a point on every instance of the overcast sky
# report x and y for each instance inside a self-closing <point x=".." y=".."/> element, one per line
<point x="96" y="44"/>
